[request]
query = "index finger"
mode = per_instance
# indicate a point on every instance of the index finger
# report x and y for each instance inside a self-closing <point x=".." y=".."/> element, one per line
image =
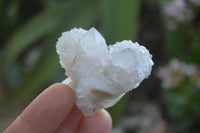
<point x="46" y="112"/>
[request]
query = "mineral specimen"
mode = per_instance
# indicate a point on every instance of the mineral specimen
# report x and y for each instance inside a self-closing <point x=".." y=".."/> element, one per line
<point x="98" y="74"/>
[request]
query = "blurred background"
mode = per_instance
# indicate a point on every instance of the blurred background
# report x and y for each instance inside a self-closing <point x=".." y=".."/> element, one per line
<point x="167" y="102"/>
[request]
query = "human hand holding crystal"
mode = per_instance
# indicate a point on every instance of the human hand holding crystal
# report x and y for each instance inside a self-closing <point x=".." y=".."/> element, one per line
<point x="99" y="76"/>
<point x="54" y="111"/>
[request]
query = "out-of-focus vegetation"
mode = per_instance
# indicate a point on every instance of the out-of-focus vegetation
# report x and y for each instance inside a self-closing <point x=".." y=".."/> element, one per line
<point x="168" y="28"/>
<point x="181" y="77"/>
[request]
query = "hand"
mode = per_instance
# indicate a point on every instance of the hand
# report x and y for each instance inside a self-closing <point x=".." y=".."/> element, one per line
<point x="54" y="111"/>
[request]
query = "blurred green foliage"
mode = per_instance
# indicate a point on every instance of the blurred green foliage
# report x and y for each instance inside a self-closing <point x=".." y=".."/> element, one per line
<point x="183" y="42"/>
<point x="183" y="107"/>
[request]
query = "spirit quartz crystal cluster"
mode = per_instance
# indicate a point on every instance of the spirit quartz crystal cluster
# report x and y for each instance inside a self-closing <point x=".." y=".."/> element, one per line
<point x="98" y="74"/>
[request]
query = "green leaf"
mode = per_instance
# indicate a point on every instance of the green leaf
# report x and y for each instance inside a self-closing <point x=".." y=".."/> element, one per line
<point x="37" y="27"/>
<point x="44" y="69"/>
<point x="174" y="42"/>
<point x="121" y="17"/>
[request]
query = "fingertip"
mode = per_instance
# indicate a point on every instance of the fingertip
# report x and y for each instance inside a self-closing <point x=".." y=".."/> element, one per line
<point x="68" y="93"/>
<point x="106" y="120"/>
<point x="101" y="122"/>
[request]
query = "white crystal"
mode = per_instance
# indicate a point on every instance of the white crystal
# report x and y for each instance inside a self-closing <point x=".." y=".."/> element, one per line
<point x="92" y="56"/>
<point x="130" y="64"/>
<point x="68" y="46"/>
<point x="100" y="75"/>
<point x="94" y="93"/>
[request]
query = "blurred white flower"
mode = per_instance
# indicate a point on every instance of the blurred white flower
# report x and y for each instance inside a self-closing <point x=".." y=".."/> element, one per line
<point x="176" y="73"/>
<point x="178" y="10"/>
<point x="146" y="118"/>
<point x="196" y="2"/>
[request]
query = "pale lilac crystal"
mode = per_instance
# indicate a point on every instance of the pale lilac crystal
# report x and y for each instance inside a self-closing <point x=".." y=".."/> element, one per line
<point x="100" y="75"/>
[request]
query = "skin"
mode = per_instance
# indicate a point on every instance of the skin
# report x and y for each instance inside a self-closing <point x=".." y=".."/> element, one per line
<point x="54" y="111"/>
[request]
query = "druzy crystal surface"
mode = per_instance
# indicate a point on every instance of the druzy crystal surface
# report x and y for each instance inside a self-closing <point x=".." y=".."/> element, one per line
<point x="98" y="74"/>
